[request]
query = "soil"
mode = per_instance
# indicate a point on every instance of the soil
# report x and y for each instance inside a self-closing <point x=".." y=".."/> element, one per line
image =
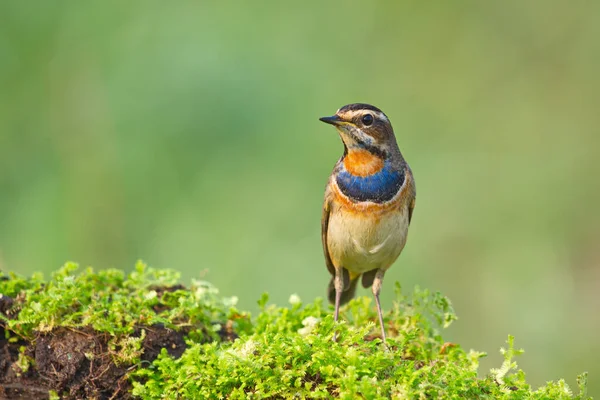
<point x="77" y="363"/>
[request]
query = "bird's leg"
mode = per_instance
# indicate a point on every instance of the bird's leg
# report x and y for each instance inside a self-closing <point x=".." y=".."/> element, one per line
<point x="376" y="289"/>
<point x="338" y="283"/>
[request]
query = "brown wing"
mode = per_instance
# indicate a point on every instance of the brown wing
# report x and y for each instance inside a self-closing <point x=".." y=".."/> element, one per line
<point x="411" y="207"/>
<point x="413" y="195"/>
<point x="324" y="227"/>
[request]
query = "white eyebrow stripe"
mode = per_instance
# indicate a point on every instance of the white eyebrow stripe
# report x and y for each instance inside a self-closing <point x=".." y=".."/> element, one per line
<point x="380" y="115"/>
<point x="376" y="114"/>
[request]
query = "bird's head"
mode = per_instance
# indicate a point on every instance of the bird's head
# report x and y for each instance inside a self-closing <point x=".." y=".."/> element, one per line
<point x="365" y="127"/>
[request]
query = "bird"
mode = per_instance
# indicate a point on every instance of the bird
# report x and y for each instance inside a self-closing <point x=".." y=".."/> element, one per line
<point x="368" y="205"/>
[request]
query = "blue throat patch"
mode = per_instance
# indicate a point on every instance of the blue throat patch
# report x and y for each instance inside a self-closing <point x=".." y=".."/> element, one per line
<point x="379" y="187"/>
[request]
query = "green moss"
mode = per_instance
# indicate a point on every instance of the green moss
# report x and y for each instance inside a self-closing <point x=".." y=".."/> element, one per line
<point x="284" y="352"/>
<point x="112" y="302"/>
<point x="288" y="352"/>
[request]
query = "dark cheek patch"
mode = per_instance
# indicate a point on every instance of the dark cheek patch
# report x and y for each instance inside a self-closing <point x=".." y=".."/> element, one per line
<point x="378" y="188"/>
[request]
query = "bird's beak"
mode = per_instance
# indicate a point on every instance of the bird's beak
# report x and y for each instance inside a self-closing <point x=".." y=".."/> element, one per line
<point x="333" y="120"/>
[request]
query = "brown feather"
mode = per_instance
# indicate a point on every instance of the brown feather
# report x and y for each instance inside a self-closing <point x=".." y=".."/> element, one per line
<point x="347" y="294"/>
<point x="413" y="195"/>
<point x="368" y="277"/>
<point x="324" y="228"/>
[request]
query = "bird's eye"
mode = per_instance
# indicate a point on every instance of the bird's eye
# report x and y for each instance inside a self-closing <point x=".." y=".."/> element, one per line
<point x="367" y="119"/>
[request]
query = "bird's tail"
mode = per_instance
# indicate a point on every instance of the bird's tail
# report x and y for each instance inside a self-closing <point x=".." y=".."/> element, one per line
<point x="347" y="294"/>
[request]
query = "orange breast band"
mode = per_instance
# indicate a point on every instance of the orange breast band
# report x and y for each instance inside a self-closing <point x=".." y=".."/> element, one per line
<point x="362" y="163"/>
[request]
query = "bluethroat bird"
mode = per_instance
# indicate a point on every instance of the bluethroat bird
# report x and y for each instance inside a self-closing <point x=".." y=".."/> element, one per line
<point x="369" y="202"/>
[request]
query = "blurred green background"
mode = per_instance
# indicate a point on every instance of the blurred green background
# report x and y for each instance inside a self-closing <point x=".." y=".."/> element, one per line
<point x="186" y="134"/>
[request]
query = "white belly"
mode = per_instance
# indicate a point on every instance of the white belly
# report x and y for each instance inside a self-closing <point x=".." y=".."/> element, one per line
<point x="361" y="244"/>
